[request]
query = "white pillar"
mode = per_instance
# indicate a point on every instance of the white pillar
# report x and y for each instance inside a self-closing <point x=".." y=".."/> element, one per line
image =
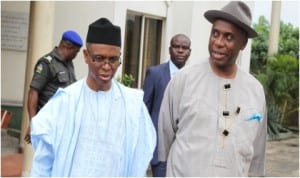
<point x="168" y="33"/>
<point x="275" y="28"/>
<point x="41" y="26"/>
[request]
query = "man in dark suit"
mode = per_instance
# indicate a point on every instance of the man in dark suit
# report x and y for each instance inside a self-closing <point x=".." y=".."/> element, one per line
<point x="156" y="80"/>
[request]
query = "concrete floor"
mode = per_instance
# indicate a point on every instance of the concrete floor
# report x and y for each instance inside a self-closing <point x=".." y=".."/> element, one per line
<point x="282" y="157"/>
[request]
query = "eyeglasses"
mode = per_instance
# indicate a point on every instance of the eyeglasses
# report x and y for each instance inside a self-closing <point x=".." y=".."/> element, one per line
<point x="100" y="59"/>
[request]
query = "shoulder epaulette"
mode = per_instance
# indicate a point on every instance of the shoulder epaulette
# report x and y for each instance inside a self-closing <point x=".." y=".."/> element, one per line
<point x="49" y="58"/>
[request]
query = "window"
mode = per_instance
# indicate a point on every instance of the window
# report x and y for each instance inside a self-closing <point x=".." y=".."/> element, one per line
<point x="142" y="45"/>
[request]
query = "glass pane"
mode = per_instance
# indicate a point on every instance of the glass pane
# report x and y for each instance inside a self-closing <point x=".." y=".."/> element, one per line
<point x="152" y="44"/>
<point x="132" y="46"/>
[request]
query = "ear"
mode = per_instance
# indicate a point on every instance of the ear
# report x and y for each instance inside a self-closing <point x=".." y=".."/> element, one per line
<point x="244" y="43"/>
<point x="190" y="50"/>
<point x="86" y="56"/>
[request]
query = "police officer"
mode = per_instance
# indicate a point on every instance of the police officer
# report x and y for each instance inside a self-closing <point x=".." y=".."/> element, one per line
<point x="52" y="71"/>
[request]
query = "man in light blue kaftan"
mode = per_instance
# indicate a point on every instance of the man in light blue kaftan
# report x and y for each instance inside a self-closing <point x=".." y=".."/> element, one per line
<point x="96" y="126"/>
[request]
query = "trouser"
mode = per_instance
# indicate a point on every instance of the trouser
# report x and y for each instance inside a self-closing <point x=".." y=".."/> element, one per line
<point x="159" y="170"/>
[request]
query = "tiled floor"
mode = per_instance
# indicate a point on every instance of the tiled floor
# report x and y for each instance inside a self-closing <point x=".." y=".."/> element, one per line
<point x="11" y="160"/>
<point x="11" y="165"/>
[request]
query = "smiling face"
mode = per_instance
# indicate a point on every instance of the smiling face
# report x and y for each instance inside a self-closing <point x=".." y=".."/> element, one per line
<point x="103" y="61"/>
<point x="226" y="41"/>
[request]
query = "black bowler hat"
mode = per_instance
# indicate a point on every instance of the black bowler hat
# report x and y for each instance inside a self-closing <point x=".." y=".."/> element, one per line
<point x="235" y="12"/>
<point x="104" y="32"/>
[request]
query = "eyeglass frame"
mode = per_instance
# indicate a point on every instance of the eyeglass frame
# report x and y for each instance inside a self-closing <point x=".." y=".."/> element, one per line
<point x="112" y="60"/>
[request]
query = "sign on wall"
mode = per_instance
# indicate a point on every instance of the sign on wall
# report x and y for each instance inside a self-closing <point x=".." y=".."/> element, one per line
<point x="14" y="30"/>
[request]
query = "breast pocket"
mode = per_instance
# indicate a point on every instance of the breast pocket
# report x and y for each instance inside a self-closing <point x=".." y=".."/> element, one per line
<point x="244" y="134"/>
<point x="248" y="122"/>
<point x="63" y="77"/>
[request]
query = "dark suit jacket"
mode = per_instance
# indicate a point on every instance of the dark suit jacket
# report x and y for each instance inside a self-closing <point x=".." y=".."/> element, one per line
<point x="156" y="80"/>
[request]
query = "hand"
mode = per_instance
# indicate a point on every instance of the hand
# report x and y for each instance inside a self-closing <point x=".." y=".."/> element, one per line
<point x="27" y="136"/>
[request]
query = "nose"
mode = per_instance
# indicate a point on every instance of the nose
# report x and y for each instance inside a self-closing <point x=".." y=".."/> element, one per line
<point x="219" y="41"/>
<point x="180" y="49"/>
<point x="106" y="65"/>
<point x="106" y="61"/>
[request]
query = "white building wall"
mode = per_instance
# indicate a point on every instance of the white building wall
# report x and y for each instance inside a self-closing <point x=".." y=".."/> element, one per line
<point x="179" y="17"/>
<point x="13" y="63"/>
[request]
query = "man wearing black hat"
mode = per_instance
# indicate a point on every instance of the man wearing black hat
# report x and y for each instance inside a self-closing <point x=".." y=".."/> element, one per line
<point x="212" y="120"/>
<point x="96" y="126"/>
<point x="54" y="70"/>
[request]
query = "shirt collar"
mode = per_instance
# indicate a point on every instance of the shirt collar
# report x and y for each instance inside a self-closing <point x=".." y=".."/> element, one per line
<point x="173" y="68"/>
